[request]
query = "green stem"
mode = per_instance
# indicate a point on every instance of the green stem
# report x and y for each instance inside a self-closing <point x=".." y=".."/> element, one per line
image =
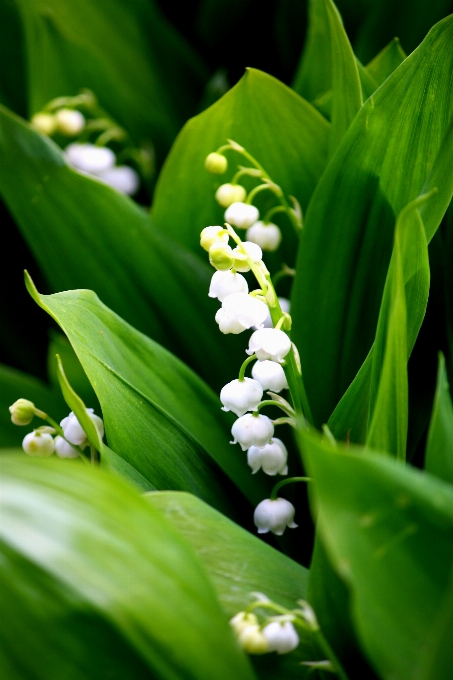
<point x="273" y="402"/>
<point x="273" y="211"/>
<point x="261" y="187"/>
<point x="284" y="482"/>
<point x="284" y="271"/>
<point x="244" y="366"/>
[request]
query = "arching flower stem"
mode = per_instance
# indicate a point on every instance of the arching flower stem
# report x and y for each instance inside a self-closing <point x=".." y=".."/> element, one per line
<point x="284" y="482"/>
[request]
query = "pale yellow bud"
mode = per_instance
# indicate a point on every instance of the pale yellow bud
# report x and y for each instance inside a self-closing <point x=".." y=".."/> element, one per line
<point x="216" y="163"/>
<point x="221" y="256"/>
<point x="242" y="620"/>
<point x="22" y="412"/>
<point x="44" y="122"/>
<point x="227" y="194"/>
<point x="69" y="122"/>
<point x="253" y="641"/>
<point x="211" y="235"/>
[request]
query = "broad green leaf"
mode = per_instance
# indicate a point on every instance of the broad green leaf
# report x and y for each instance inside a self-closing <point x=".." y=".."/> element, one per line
<point x="439" y="447"/>
<point x="280" y="129"/>
<point x="134" y="61"/>
<point x="384" y="63"/>
<point x="82" y="552"/>
<point x="16" y="385"/>
<point x="12" y="74"/>
<point x="238" y="565"/>
<point x="159" y="416"/>
<point x="399" y="146"/>
<point x="437" y="659"/>
<point x="314" y="72"/>
<point x="60" y="345"/>
<point x="388" y="531"/>
<point x="105" y="242"/>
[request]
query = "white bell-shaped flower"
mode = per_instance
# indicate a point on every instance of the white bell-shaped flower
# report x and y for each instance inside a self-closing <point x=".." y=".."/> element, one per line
<point x="228" y="323"/>
<point x="241" y="310"/>
<point x="241" y="215"/>
<point x="271" y="375"/>
<point x="39" y="444"/>
<point x="269" y="343"/>
<point x="227" y="283"/>
<point x="267" y="235"/>
<point x="63" y="449"/>
<point x="281" y="636"/>
<point x="251" y="430"/>
<point x="122" y="178"/>
<point x="254" y="252"/>
<point x="69" y="122"/>
<point x="89" y="158"/>
<point x="274" y="515"/>
<point x="211" y="235"/>
<point x="227" y="194"/>
<point x="73" y="430"/>
<point x="272" y="458"/>
<point x="284" y="306"/>
<point x="241" y="396"/>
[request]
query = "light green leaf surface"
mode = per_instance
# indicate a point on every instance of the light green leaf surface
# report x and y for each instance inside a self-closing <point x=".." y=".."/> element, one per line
<point x="388" y="531"/>
<point x="387" y="61"/>
<point x="439" y="446"/>
<point x="280" y="129"/>
<point x="399" y="146"/>
<point x="141" y="70"/>
<point x="159" y="416"/>
<point x="59" y="344"/>
<point x="102" y="583"/>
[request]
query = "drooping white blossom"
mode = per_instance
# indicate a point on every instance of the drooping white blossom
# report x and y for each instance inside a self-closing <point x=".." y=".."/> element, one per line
<point x="269" y="343"/>
<point x="272" y="458"/>
<point x="281" y="636"/>
<point x="253" y="251"/>
<point x="226" y="283"/>
<point x="73" y="430"/>
<point x="63" y="449"/>
<point x="271" y="375"/>
<point x="275" y="516"/>
<point x="251" y="430"/>
<point x="69" y="122"/>
<point x="211" y="235"/>
<point x="241" y="215"/>
<point x="90" y="158"/>
<point x="39" y="444"/>
<point x="122" y="178"/>
<point x="227" y="194"/>
<point x="239" y="312"/>
<point x="267" y="235"/>
<point x="241" y="396"/>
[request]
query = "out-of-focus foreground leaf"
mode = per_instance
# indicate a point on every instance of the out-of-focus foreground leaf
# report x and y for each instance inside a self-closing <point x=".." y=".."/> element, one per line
<point x="439" y="447"/>
<point x="388" y="531"/>
<point x="400" y="145"/>
<point x="101" y="584"/>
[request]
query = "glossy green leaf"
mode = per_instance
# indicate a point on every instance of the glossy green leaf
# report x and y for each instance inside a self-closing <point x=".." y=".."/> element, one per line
<point x="388" y="531"/>
<point x="84" y="555"/>
<point x="281" y="130"/>
<point x="12" y="74"/>
<point x="384" y="63"/>
<point x="16" y="385"/>
<point x="86" y="235"/>
<point x="60" y="345"/>
<point x="314" y="72"/>
<point x="134" y="61"/>
<point x="399" y="146"/>
<point x="439" y="446"/>
<point x="238" y="565"/>
<point x="159" y="416"/>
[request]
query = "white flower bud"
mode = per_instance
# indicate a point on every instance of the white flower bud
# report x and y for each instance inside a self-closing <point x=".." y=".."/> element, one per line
<point x="241" y="396"/>
<point x="211" y="235"/>
<point x="122" y="178"/>
<point x="63" y="449"/>
<point x="281" y="636"/>
<point x="69" y="122"/>
<point x="22" y="412"/>
<point x="40" y="444"/>
<point x="274" y="515"/>
<point x="227" y="283"/>
<point x="73" y="430"/>
<point x="228" y="323"/>
<point x="271" y="375"/>
<point x="269" y="343"/>
<point x="250" y="430"/>
<point x="254" y="252"/>
<point x="253" y="641"/>
<point x="221" y="256"/>
<point x="241" y="215"/>
<point x="44" y="122"/>
<point x="272" y="458"/>
<point x="216" y="163"/>
<point x="90" y="158"/>
<point x="227" y="194"/>
<point x="267" y="235"/>
<point x="242" y="620"/>
<point x="244" y="309"/>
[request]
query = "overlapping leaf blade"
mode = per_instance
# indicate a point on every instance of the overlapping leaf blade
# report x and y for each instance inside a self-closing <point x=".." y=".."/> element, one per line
<point x="88" y="550"/>
<point x="439" y="446"/>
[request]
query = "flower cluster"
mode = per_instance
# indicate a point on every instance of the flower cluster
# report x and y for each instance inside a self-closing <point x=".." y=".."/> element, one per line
<point x="274" y="634"/>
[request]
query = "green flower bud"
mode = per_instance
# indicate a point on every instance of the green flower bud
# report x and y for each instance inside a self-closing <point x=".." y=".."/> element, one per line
<point x="221" y="256"/>
<point x="211" y="235"/>
<point x="243" y="620"/>
<point x="216" y="163"/>
<point x="70" y="122"/>
<point x="22" y="412"/>
<point x="227" y="194"/>
<point x="44" y="122"/>
<point x="253" y="641"/>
